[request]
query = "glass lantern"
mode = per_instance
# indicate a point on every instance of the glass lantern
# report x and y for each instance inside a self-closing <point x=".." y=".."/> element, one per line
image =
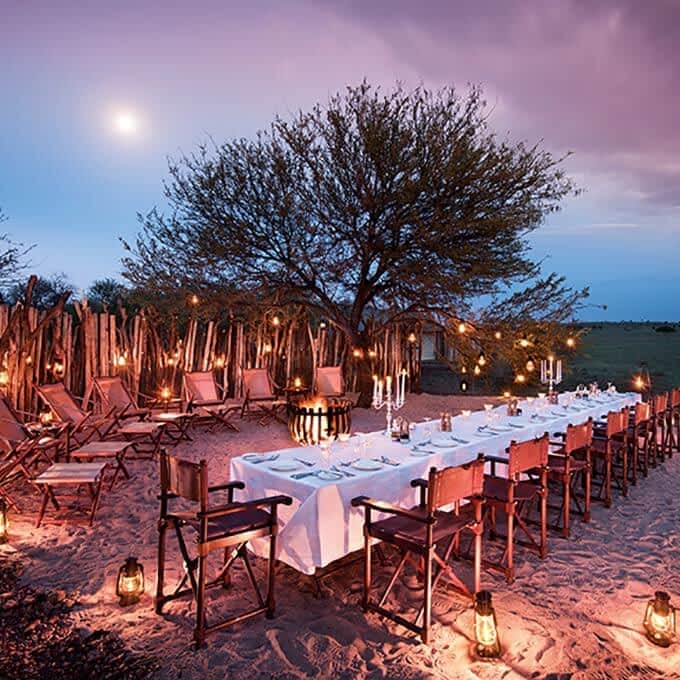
<point x="130" y="584"/>
<point x="488" y="645"/>
<point x="659" y="620"/>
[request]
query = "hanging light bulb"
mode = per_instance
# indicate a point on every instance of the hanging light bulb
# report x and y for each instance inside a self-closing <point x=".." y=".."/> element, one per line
<point x="488" y="644"/>
<point x="463" y="369"/>
<point x="194" y="300"/>
<point x="481" y="359"/>
<point x="477" y="370"/>
<point x="220" y="361"/>
<point x="520" y="378"/>
<point x="530" y="365"/>
<point x="412" y="338"/>
<point x="659" y="622"/>
<point x="276" y="321"/>
<point x="498" y="335"/>
<point x="462" y="327"/>
<point x="524" y="342"/>
<point x="464" y="385"/>
<point x="571" y="342"/>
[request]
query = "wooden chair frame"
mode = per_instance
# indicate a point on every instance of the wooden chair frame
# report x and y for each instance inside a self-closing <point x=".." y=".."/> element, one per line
<point x="568" y="463"/>
<point x="659" y="427"/>
<point x="529" y="459"/>
<point x="639" y="434"/>
<point x="124" y="411"/>
<point x="88" y="427"/>
<point x="320" y="376"/>
<point x="445" y="487"/>
<point x="216" y="408"/>
<point x="268" y="404"/>
<point x="610" y="444"/>
<point x="188" y="480"/>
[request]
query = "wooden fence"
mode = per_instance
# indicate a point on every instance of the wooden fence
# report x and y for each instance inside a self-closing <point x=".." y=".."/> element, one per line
<point x="77" y="343"/>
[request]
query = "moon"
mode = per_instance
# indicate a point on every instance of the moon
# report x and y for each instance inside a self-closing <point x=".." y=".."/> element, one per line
<point x="126" y="123"/>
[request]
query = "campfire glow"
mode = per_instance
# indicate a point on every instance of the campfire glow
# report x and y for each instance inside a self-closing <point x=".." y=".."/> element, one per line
<point x="313" y="420"/>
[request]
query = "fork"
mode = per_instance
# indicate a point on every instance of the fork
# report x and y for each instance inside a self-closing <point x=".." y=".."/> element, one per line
<point x="387" y="461"/>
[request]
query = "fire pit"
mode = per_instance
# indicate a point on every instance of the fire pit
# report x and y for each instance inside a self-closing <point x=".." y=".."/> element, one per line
<point x="311" y="420"/>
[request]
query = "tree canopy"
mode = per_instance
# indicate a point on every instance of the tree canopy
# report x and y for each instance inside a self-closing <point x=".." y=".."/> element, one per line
<point x="12" y="258"/>
<point x="375" y="207"/>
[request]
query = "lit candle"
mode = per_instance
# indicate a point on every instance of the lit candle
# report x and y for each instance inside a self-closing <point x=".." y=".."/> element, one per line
<point x="380" y="391"/>
<point x="375" y="388"/>
<point x="388" y="387"/>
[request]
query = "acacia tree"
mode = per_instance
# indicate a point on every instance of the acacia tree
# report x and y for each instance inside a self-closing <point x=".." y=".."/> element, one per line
<point x="375" y="207"/>
<point x="12" y="258"/>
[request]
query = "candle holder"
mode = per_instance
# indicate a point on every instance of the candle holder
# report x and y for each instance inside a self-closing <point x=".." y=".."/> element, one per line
<point x="551" y="375"/>
<point x="385" y="400"/>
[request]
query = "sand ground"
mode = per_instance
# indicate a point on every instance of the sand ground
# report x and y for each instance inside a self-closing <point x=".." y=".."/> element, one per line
<point x="577" y="612"/>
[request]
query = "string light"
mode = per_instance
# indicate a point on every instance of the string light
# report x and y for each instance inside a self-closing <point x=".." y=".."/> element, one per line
<point x="276" y="321"/>
<point x="481" y="360"/>
<point x="530" y="366"/>
<point x="571" y="342"/>
<point x="194" y="300"/>
<point x="462" y="327"/>
<point x="477" y="370"/>
<point x="498" y="335"/>
<point x="520" y="378"/>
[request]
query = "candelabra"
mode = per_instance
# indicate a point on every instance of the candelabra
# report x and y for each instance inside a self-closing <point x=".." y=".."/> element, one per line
<point x="384" y="398"/>
<point x="551" y="375"/>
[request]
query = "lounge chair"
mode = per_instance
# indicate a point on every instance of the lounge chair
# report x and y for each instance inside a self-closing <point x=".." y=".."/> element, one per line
<point x="206" y="399"/>
<point x="259" y="391"/>
<point x="328" y="381"/>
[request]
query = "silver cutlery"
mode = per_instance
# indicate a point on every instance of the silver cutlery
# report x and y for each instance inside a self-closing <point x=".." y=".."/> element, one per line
<point x="257" y="460"/>
<point x="460" y="441"/>
<point x="387" y="461"/>
<point x="517" y="426"/>
<point x="347" y="463"/>
<point x="308" y="463"/>
<point x="346" y="473"/>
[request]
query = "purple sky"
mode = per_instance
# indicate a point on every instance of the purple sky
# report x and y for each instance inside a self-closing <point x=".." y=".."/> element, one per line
<point x="598" y="78"/>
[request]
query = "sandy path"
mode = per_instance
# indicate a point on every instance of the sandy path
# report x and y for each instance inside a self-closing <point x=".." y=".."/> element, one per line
<point x="578" y="612"/>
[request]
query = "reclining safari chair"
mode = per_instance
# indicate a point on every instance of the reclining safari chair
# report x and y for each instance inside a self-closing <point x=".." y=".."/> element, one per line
<point x="206" y="399"/>
<point x="227" y="528"/>
<point x="258" y="391"/>
<point x="416" y="533"/>
<point x="87" y="428"/>
<point x="328" y="382"/>
<point x="115" y="395"/>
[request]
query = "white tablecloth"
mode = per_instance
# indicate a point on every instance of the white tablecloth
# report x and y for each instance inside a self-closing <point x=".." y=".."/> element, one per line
<point x="321" y="526"/>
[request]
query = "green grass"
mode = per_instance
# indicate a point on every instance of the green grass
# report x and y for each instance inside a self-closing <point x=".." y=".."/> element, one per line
<point x="607" y="352"/>
<point x="615" y="351"/>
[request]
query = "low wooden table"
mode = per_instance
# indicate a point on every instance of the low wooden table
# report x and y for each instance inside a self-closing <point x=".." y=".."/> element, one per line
<point x="137" y="432"/>
<point x="176" y="424"/>
<point x="76" y="475"/>
<point x="106" y="449"/>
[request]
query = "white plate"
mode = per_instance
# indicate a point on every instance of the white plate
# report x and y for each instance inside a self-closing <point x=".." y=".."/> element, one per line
<point x="365" y="464"/>
<point x="284" y="466"/>
<point x="420" y="453"/>
<point x="447" y="443"/>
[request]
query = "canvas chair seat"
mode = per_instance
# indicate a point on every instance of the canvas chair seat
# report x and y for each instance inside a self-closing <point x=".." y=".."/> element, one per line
<point x="496" y="488"/>
<point x="236" y="523"/>
<point x="558" y="464"/>
<point x="413" y="531"/>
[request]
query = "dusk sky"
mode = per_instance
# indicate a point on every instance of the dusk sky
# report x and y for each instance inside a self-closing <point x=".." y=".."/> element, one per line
<point x="95" y="96"/>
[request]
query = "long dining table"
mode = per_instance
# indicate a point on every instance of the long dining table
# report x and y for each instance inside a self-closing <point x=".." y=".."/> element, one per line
<point x="321" y="526"/>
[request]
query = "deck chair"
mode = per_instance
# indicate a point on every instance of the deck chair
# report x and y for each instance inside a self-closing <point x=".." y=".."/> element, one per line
<point x="206" y="398"/>
<point x="610" y="445"/>
<point x="639" y="429"/>
<point x="526" y="483"/>
<point x="227" y="528"/>
<point x="84" y="426"/>
<point x="17" y="463"/>
<point x="418" y="531"/>
<point x="114" y="394"/>
<point x="568" y="463"/>
<point x="259" y="391"/>
<point x="328" y="381"/>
